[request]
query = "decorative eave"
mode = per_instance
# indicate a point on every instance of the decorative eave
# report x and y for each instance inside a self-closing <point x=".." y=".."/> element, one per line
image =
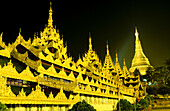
<point x="10" y="71"/>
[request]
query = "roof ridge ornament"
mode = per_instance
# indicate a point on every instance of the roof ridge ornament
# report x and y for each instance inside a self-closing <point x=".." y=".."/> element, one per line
<point x="50" y="19"/>
<point x="136" y="33"/>
<point x="19" y="31"/>
<point x="116" y="57"/>
<point x="107" y="46"/>
<point x="90" y="44"/>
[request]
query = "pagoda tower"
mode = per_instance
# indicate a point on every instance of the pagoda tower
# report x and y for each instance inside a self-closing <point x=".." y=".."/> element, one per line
<point x="117" y="66"/>
<point x="140" y="61"/>
<point x="125" y="70"/>
<point x="108" y="66"/>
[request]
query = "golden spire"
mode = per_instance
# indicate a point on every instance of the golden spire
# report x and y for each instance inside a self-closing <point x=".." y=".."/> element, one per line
<point x="107" y="46"/>
<point x="1" y="34"/>
<point x="117" y="65"/>
<point x="90" y="44"/>
<point x="50" y="19"/>
<point x="136" y="33"/>
<point x="124" y="62"/>
<point x="116" y="57"/>
<point x="138" y="46"/>
<point x="139" y="61"/>
<point x="19" y="31"/>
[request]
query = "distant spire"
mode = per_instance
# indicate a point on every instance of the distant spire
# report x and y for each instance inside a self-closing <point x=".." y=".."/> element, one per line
<point x="116" y="57"/>
<point x="124" y="62"/>
<point x="50" y="19"/>
<point x="107" y="46"/>
<point x="1" y="34"/>
<point x="19" y="31"/>
<point x="136" y="33"/>
<point x="137" y="43"/>
<point x="1" y="37"/>
<point x="90" y="44"/>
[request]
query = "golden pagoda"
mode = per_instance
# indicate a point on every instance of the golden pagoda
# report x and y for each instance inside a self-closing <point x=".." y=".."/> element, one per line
<point x="108" y="66"/>
<point x="140" y="61"/>
<point x="38" y="75"/>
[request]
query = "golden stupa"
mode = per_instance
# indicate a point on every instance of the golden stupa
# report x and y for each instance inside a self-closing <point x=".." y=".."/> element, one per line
<point x="140" y="61"/>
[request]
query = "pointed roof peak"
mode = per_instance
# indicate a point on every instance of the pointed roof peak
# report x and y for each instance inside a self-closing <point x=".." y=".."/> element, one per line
<point x="19" y="31"/>
<point x="124" y="63"/>
<point x="136" y="33"/>
<point x="50" y="5"/>
<point x="90" y="44"/>
<point x="50" y="19"/>
<point x="139" y="60"/>
<point x="107" y="46"/>
<point x="1" y="34"/>
<point x="116" y="56"/>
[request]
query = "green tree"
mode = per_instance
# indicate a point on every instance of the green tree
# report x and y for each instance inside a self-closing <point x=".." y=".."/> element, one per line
<point x="152" y="89"/>
<point x="82" y="106"/>
<point x="3" y="107"/>
<point x="125" y="105"/>
<point x="163" y="90"/>
<point x="167" y="63"/>
<point x="144" y="103"/>
<point x="162" y="75"/>
<point x="150" y="75"/>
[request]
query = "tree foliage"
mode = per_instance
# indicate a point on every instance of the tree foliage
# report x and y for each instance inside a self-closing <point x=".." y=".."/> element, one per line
<point x="82" y="106"/>
<point x="163" y="90"/>
<point x="162" y="74"/>
<point x="2" y="107"/>
<point x="125" y="105"/>
<point x="150" y="75"/>
<point x="152" y="89"/>
<point x="159" y="79"/>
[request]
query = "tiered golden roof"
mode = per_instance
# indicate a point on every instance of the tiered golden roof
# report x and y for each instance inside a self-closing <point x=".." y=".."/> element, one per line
<point x="45" y="62"/>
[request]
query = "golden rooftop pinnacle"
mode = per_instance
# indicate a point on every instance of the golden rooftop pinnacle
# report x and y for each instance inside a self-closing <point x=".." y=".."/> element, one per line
<point x="107" y="48"/>
<point x="140" y="61"/>
<point x="50" y="19"/>
<point x="90" y="44"/>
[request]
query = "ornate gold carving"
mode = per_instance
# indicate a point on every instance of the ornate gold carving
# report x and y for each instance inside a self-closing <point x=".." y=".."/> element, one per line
<point x="71" y="76"/>
<point x="37" y="93"/>
<point x="58" y="83"/>
<point x="9" y="69"/>
<point x="61" y="95"/>
<point x="21" y="93"/>
<point x="51" y="95"/>
<point x="27" y="73"/>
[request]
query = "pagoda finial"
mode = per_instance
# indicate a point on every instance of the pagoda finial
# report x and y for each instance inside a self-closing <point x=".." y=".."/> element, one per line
<point x="1" y="34"/>
<point x="136" y="32"/>
<point x="90" y="44"/>
<point x="107" y="48"/>
<point x="116" y="57"/>
<point x="50" y="19"/>
<point x="124" y="62"/>
<point x="19" y="31"/>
